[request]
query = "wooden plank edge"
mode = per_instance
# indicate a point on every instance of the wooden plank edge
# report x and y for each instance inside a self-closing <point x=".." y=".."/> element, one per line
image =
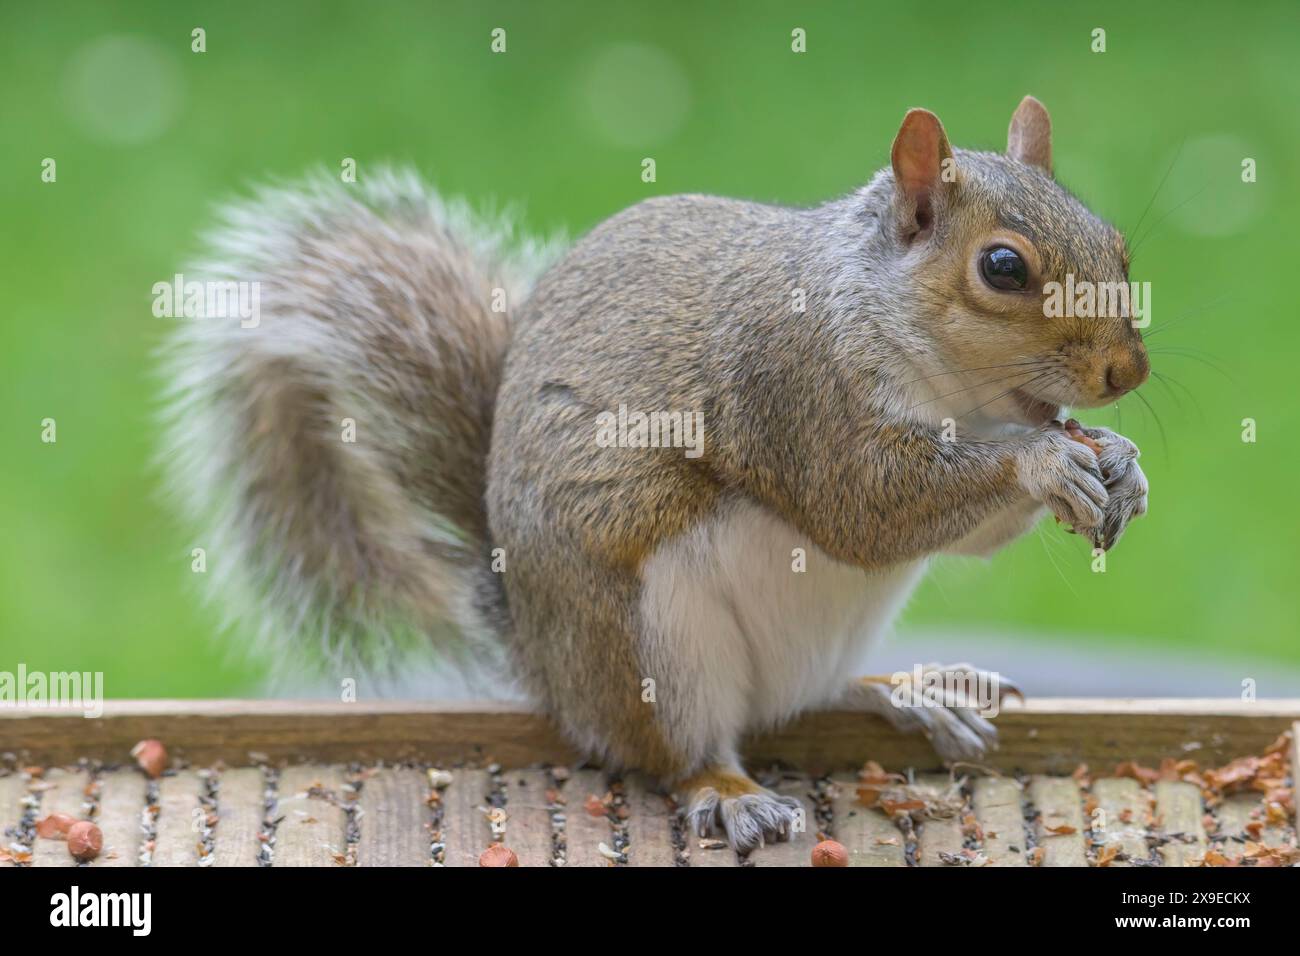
<point x="1045" y="736"/>
<point x="1181" y="706"/>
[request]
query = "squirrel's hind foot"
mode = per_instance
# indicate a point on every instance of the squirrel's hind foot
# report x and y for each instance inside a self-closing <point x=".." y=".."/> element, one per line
<point x="750" y="815"/>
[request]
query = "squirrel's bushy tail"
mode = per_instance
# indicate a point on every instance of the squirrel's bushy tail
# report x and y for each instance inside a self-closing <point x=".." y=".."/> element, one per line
<point x="334" y="444"/>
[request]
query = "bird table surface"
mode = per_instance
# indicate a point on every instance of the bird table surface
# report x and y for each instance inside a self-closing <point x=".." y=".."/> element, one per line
<point x="1024" y="807"/>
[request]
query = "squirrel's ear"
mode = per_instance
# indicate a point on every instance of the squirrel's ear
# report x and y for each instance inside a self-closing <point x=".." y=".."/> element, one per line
<point x="923" y="166"/>
<point x="1029" y="139"/>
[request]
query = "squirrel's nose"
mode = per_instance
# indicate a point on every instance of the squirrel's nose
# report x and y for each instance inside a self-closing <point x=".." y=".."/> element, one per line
<point x="1127" y="374"/>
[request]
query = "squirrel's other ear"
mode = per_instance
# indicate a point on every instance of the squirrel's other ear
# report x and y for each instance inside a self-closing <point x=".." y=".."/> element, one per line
<point x="923" y="166"/>
<point x="1029" y="139"/>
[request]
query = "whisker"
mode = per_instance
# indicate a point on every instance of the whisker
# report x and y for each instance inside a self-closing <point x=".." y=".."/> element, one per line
<point x="1195" y="356"/>
<point x="980" y="368"/>
<point x="1151" y="202"/>
<point x="1168" y="381"/>
<point x="1164" y="441"/>
<point x="1133" y="250"/>
<point x="1164" y="384"/>
<point x="1164" y="376"/>
<point x="1182" y="350"/>
<point x="995" y="398"/>
<point x="1051" y="557"/>
<point x="1001" y="378"/>
<point x="1184" y="316"/>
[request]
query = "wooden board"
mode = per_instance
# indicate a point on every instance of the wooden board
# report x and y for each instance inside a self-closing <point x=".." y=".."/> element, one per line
<point x="528" y="818"/>
<point x="998" y="806"/>
<point x="940" y="835"/>
<point x="240" y="811"/>
<point x="336" y="814"/>
<point x="584" y="833"/>
<point x="394" y="818"/>
<point x="1060" y="805"/>
<point x="465" y="825"/>
<point x="649" y="827"/>
<point x="702" y="852"/>
<point x="869" y="836"/>
<point x="62" y="791"/>
<point x="1044" y="736"/>
<point x="1237" y="812"/>
<point x="13" y="789"/>
<point x="121" y="802"/>
<point x="1179" y="811"/>
<point x="1124" y="807"/>
<point x="177" y="840"/>
<point x="311" y="829"/>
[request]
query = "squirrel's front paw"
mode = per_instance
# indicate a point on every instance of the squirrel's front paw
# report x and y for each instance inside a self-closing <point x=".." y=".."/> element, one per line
<point x="947" y="705"/>
<point x="1125" y="483"/>
<point x="1065" y="476"/>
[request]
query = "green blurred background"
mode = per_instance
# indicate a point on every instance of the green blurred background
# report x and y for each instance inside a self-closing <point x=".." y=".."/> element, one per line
<point x="147" y="136"/>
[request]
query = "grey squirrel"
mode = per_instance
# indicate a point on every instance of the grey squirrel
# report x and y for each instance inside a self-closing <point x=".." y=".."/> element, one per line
<point x="477" y="506"/>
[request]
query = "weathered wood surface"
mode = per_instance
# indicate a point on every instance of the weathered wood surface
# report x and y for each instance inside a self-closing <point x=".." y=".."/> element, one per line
<point x="1049" y="736"/>
<point x="1060" y="820"/>
<point x="13" y="791"/>
<point x="62" y="791"/>
<point x="1240" y="811"/>
<point x="400" y="818"/>
<point x="868" y="835"/>
<point x="13" y="788"/>
<point x="393" y="818"/>
<point x="465" y="823"/>
<point x="1125" y="811"/>
<point x="1179" y="812"/>
<point x="649" y="826"/>
<point x="177" y="839"/>
<point x="312" y="819"/>
<point x="121" y="806"/>
<point x="998" y="805"/>
<point x="940" y="835"/>
<point x="705" y="853"/>
<point x="529" y="831"/>
<point x="583" y="832"/>
<point x="240" y="811"/>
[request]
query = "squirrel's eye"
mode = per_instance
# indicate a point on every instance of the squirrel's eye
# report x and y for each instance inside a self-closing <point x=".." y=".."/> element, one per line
<point x="1003" y="269"/>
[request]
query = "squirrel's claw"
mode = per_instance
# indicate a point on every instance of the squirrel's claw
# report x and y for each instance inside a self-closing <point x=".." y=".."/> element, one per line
<point x="1126" y="486"/>
<point x="955" y="727"/>
<point x="1008" y="688"/>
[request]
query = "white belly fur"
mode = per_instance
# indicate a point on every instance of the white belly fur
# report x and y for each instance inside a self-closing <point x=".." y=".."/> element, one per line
<point x="724" y="603"/>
